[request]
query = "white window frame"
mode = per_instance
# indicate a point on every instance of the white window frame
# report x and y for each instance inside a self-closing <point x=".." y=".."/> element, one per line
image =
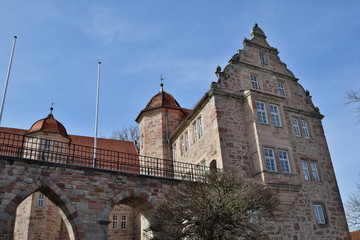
<point x="195" y="132"/>
<point x="200" y="124"/>
<point x="123" y="222"/>
<point x="281" y="87"/>
<point x="186" y="140"/>
<point x="305" y="129"/>
<point x="41" y="200"/>
<point x="261" y="112"/>
<point x="182" y="145"/>
<point x="305" y="169"/>
<point x="263" y="58"/>
<point x="275" y="115"/>
<point x="270" y="162"/>
<point x="314" y="171"/>
<point x="174" y="151"/>
<point x="255" y="82"/>
<point x="319" y="213"/>
<point x="284" y="161"/>
<point x="115" y="222"/>
<point x="296" y="127"/>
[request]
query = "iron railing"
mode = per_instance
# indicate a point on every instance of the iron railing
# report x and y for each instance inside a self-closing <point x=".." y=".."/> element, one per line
<point x="26" y="147"/>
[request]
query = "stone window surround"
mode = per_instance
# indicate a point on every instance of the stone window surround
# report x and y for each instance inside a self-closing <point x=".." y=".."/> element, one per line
<point x="310" y="170"/>
<point x="255" y="83"/>
<point x="115" y="222"/>
<point x="269" y="113"/>
<point x="281" y="88"/>
<point x="41" y="200"/>
<point x="324" y="222"/>
<point x="277" y="159"/>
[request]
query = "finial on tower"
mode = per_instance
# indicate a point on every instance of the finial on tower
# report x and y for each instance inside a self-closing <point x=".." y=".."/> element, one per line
<point x="51" y="107"/>
<point x="258" y="32"/>
<point x="161" y="84"/>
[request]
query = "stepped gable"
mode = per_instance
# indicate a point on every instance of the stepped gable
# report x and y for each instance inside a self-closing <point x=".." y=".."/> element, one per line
<point x="49" y="124"/>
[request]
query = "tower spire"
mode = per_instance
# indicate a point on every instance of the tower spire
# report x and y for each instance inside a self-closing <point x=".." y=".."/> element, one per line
<point x="161" y="83"/>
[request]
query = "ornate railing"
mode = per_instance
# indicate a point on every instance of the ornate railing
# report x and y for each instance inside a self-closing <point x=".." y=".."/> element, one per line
<point x="26" y="147"/>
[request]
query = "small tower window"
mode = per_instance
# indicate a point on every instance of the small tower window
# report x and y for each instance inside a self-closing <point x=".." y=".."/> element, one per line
<point x="41" y="200"/>
<point x="263" y="58"/>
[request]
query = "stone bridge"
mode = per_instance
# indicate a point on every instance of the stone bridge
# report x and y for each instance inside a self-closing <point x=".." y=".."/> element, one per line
<point x="85" y="195"/>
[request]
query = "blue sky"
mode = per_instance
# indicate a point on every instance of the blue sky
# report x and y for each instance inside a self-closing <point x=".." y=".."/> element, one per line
<point x="60" y="42"/>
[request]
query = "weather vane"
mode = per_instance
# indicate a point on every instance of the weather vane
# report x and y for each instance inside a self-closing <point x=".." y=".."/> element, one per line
<point x="161" y="82"/>
<point x="51" y="107"/>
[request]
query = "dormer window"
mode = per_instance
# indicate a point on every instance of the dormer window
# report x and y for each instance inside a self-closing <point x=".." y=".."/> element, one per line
<point x="263" y="58"/>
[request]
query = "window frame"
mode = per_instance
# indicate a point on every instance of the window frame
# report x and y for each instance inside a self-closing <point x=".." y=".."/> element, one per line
<point x="174" y="151"/>
<point x="296" y="127"/>
<point x="320" y="213"/>
<point x="305" y="128"/>
<point x="284" y="160"/>
<point x="270" y="161"/>
<point x="275" y="115"/>
<point x="305" y="170"/>
<point x="195" y="131"/>
<point x="186" y="140"/>
<point x="41" y="200"/>
<point x="115" y="222"/>
<point x="263" y="58"/>
<point x="200" y="124"/>
<point x="123" y="223"/>
<point x="261" y="113"/>
<point x="281" y="88"/>
<point x="255" y="82"/>
<point x="314" y="171"/>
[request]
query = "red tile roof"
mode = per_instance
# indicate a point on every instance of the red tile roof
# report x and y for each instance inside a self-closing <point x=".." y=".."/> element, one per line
<point x="49" y="124"/>
<point x="355" y="235"/>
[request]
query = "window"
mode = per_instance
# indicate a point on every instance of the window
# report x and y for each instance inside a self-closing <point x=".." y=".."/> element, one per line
<point x="142" y="141"/>
<point x="284" y="161"/>
<point x="314" y="171"/>
<point x="182" y="145"/>
<point x="200" y="127"/>
<point x="123" y="222"/>
<point x="263" y="58"/>
<point x="186" y="141"/>
<point x="261" y="112"/>
<point x="41" y="200"/>
<point x="319" y="213"/>
<point x="255" y="83"/>
<point x="195" y="132"/>
<point x="296" y="127"/>
<point x="47" y="144"/>
<point x="115" y="222"/>
<point x="174" y="151"/>
<point x="281" y="89"/>
<point x="275" y="115"/>
<point x="305" y="169"/>
<point x="305" y="129"/>
<point x="269" y="159"/>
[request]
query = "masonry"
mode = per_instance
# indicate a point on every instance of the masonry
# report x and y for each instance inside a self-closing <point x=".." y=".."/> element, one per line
<point x="85" y="195"/>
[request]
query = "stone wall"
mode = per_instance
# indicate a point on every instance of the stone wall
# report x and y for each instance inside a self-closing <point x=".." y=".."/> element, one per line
<point x="86" y="196"/>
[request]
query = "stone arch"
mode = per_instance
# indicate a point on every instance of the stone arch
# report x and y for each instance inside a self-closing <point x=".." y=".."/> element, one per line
<point x="54" y="194"/>
<point x="136" y="206"/>
<point x="140" y="201"/>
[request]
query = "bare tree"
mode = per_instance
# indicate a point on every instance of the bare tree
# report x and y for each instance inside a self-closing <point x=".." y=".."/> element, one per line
<point x="354" y="97"/>
<point x="352" y="208"/>
<point x="127" y="133"/>
<point x="224" y="207"/>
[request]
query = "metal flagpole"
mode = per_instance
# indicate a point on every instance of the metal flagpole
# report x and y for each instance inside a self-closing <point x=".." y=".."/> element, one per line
<point x="96" y="114"/>
<point x="7" y="78"/>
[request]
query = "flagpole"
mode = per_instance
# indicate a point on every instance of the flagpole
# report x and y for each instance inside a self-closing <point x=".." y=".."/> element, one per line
<point x="7" y="78"/>
<point x="96" y="114"/>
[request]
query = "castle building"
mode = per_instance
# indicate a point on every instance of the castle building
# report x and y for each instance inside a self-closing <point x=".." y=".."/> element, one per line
<point x="39" y="218"/>
<point x="258" y="119"/>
